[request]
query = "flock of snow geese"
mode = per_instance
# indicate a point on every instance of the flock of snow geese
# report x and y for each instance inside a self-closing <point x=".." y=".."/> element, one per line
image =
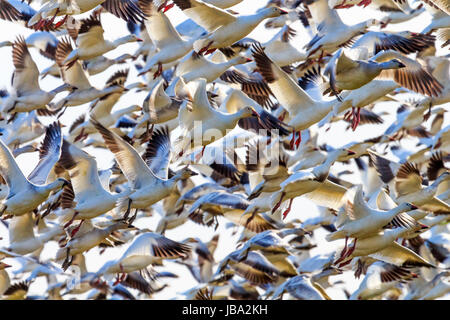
<point x="229" y="134"/>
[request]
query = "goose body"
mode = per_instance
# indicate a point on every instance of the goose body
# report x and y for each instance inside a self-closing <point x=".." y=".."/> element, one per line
<point x="224" y="29"/>
<point x="26" y="194"/>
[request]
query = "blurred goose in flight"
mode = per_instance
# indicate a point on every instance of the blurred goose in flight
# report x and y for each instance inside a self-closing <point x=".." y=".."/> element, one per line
<point x="147" y="248"/>
<point x="8" y="11"/>
<point x="161" y="107"/>
<point x="223" y="4"/>
<point x="22" y="239"/>
<point x="25" y="194"/>
<point x="440" y="4"/>
<point x="348" y="74"/>
<point x="255" y="267"/>
<point x="305" y="109"/>
<point x="88" y="37"/>
<point x="314" y="184"/>
<point x="332" y="31"/>
<point x="195" y="66"/>
<point x="86" y="238"/>
<point x="101" y="108"/>
<point x="224" y="28"/>
<point x="232" y="207"/>
<point x="302" y="288"/>
<point x="101" y="63"/>
<point x="168" y="41"/>
<point x="27" y="94"/>
<point x="149" y="180"/>
<point x="85" y="197"/>
<point x="364" y="221"/>
<point x="125" y="9"/>
<point x="215" y="122"/>
<point x="382" y="246"/>
<point x="76" y="77"/>
<point x="380" y="277"/>
<point x="280" y="49"/>
<point x="408" y="184"/>
<point x="5" y="280"/>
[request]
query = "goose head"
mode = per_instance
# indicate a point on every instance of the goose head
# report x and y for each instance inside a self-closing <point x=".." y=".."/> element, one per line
<point x="186" y="173"/>
<point x="405" y="207"/>
<point x="394" y="64"/>
<point x="372" y="22"/>
<point x="59" y="183"/>
<point x="341" y="153"/>
<point x="273" y="12"/>
<point x="248" y="112"/>
<point x="129" y="38"/>
<point x="123" y="225"/>
<point x="241" y="60"/>
<point x="4" y="265"/>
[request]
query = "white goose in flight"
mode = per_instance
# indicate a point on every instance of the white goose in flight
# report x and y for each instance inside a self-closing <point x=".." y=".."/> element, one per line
<point x="305" y="108"/>
<point x="147" y="248"/>
<point x="27" y="95"/>
<point x="168" y="41"/>
<point x="314" y="184"/>
<point x="75" y="76"/>
<point x="408" y="184"/>
<point x="125" y="9"/>
<point x="88" y="36"/>
<point x="85" y="197"/>
<point x="25" y="194"/>
<point x="148" y="179"/>
<point x="224" y="28"/>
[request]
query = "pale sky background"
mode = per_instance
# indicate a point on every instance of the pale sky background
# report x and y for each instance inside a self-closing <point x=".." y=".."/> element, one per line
<point x="302" y="208"/>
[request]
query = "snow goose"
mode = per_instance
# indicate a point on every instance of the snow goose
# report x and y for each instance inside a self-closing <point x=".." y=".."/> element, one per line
<point x="216" y="124"/>
<point x="303" y="109"/>
<point x="195" y="66"/>
<point x="313" y="183"/>
<point x="99" y="64"/>
<point x="408" y="184"/>
<point x="232" y="207"/>
<point x="26" y="194"/>
<point x="22" y="239"/>
<point x="88" y="236"/>
<point x="27" y="94"/>
<point x="149" y="182"/>
<point x="364" y="221"/>
<point x="161" y="106"/>
<point x="146" y="249"/>
<point x="409" y="121"/>
<point x="24" y="128"/>
<point x="280" y="49"/>
<point x="8" y="11"/>
<point x="440" y="4"/>
<point x="332" y="31"/>
<point x="439" y="19"/>
<point x="200" y="259"/>
<point x="5" y="281"/>
<point x="224" y="28"/>
<point x="125" y="9"/>
<point x="383" y="247"/>
<point x="88" y="37"/>
<point x="76" y="77"/>
<point x="393" y="14"/>
<point x="348" y="74"/>
<point x="380" y="277"/>
<point x="171" y="46"/>
<point x="301" y="287"/>
<point x="86" y="197"/>
<point x="255" y="267"/>
<point x="101" y="108"/>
